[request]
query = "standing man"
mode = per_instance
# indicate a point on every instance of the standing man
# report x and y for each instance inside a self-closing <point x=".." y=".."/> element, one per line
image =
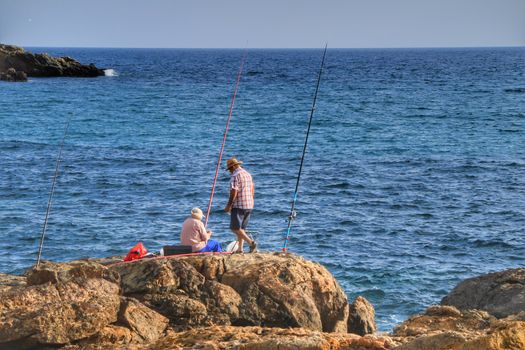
<point x="240" y="203"/>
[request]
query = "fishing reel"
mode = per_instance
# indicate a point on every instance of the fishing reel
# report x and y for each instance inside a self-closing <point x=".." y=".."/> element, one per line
<point x="292" y="216"/>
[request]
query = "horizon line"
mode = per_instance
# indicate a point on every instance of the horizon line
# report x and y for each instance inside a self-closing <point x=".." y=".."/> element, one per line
<point x="274" y="48"/>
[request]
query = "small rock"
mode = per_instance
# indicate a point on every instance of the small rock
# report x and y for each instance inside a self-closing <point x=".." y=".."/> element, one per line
<point x="361" y="319"/>
<point x="70" y="304"/>
<point x="439" y="310"/>
<point x="13" y="76"/>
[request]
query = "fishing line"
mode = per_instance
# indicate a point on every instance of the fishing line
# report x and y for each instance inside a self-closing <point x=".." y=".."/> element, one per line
<point x="293" y="214"/>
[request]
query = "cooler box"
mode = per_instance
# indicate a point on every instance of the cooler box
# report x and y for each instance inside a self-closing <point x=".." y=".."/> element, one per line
<point x="176" y="249"/>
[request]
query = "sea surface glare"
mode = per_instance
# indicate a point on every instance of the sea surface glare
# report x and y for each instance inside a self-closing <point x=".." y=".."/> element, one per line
<point x="413" y="179"/>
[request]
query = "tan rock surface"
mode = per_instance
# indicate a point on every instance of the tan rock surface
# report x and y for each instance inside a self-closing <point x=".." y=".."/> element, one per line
<point x="504" y="335"/>
<point x="445" y="327"/>
<point x="259" y="338"/>
<point x="8" y="282"/>
<point x="444" y="318"/>
<point x="141" y="320"/>
<point x="67" y="306"/>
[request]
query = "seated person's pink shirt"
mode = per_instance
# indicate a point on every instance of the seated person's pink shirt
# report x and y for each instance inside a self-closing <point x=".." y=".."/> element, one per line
<point x="193" y="233"/>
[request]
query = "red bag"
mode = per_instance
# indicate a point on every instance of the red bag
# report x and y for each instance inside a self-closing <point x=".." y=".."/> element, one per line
<point x="137" y="252"/>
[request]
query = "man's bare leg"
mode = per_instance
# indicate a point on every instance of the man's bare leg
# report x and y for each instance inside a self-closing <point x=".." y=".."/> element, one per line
<point x="240" y="244"/>
<point x="241" y="237"/>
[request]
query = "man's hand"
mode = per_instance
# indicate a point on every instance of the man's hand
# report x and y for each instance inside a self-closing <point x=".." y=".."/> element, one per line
<point x="210" y="232"/>
<point x="231" y="199"/>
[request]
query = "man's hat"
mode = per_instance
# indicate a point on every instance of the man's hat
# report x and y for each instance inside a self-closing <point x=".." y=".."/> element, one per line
<point x="230" y="163"/>
<point x="197" y="213"/>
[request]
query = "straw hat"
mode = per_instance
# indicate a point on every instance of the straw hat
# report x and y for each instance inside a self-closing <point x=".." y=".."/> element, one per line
<point x="230" y="163"/>
<point x="196" y="213"/>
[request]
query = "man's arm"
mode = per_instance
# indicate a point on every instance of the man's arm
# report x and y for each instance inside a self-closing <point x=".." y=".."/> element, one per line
<point x="233" y="195"/>
<point x="204" y="235"/>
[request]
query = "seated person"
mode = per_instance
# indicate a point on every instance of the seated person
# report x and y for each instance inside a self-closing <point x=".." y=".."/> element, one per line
<point x="194" y="233"/>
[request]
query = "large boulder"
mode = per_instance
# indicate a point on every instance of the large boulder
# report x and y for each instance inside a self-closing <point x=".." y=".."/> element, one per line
<point x="60" y="304"/>
<point x="285" y="290"/>
<point x="42" y="65"/>
<point x="76" y="305"/>
<point x="276" y="290"/>
<point x="499" y="293"/>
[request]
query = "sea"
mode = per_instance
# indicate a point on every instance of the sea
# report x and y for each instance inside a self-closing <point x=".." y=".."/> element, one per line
<point x="413" y="179"/>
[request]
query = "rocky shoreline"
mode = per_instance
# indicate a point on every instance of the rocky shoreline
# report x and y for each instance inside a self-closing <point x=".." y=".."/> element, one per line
<point x="252" y="301"/>
<point x="16" y="64"/>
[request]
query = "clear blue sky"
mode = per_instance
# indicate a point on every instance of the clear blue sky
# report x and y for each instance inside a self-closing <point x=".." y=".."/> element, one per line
<point x="262" y="23"/>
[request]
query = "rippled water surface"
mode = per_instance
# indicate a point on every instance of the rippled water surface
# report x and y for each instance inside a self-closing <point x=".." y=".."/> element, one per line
<point x="413" y="180"/>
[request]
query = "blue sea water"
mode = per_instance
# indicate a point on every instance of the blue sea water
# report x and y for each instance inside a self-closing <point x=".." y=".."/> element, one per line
<point x="413" y="179"/>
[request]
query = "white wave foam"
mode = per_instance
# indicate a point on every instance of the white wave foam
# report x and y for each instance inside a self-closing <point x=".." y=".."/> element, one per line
<point x="110" y="73"/>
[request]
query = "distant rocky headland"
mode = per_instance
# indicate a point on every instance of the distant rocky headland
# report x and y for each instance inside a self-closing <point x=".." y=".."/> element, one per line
<point x="16" y="64"/>
<point x="253" y="301"/>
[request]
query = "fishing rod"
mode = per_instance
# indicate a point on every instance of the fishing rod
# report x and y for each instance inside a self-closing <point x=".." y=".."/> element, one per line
<point x="293" y="214"/>
<point x="224" y="138"/>
<point x="51" y="193"/>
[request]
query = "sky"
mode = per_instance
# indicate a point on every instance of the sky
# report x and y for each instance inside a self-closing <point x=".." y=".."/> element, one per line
<point x="262" y="23"/>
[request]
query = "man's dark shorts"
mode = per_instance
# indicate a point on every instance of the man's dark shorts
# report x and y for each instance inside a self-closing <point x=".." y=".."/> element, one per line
<point x="240" y="218"/>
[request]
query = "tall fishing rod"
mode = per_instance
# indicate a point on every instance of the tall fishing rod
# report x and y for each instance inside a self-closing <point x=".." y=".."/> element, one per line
<point x="293" y="214"/>
<point x="51" y="193"/>
<point x="224" y="139"/>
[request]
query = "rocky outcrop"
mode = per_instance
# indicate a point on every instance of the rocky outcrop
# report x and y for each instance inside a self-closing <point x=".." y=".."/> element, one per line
<point x="501" y="293"/>
<point x="361" y="319"/>
<point x="445" y="327"/>
<point x="274" y="290"/>
<point x="42" y="65"/>
<point x="254" y="301"/>
<point x="84" y="305"/>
